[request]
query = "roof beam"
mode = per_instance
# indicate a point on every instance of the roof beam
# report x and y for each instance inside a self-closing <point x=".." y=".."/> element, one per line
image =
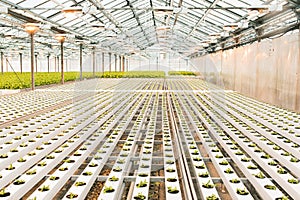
<point x="203" y="17"/>
<point x="137" y="19"/>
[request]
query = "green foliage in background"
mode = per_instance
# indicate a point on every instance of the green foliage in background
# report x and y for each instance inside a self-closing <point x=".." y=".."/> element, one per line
<point x="10" y="80"/>
<point x="181" y="73"/>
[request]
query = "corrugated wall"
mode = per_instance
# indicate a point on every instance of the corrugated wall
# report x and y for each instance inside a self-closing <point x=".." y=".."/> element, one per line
<point x="268" y="71"/>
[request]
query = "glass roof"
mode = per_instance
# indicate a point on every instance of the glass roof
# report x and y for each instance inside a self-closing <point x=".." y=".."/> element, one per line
<point x="125" y="26"/>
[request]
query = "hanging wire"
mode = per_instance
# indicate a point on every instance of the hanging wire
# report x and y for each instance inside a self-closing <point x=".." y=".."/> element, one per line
<point x="15" y="72"/>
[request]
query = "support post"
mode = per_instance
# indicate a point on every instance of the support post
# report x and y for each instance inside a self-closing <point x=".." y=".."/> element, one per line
<point x="123" y="63"/>
<point x="116" y="62"/>
<point x="21" y="62"/>
<point x="120" y="63"/>
<point x="109" y="62"/>
<point x="62" y="62"/>
<point x="32" y="61"/>
<point x="36" y="62"/>
<point x="94" y="62"/>
<point x="2" y="62"/>
<point x="48" y="62"/>
<point x="55" y="63"/>
<point x="57" y="58"/>
<point x="103" y="62"/>
<point x="80" y="60"/>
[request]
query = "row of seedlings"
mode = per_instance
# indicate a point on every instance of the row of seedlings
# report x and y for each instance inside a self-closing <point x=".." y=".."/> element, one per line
<point x="263" y="157"/>
<point x="207" y="187"/>
<point x="34" y="175"/>
<point x="142" y="181"/>
<point x="239" y="154"/>
<point x="19" y="105"/>
<point x="113" y="185"/>
<point x="38" y="146"/>
<point x="170" y="170"/>
<point x="281" y="137"/>
<point x="65" y="171"/>
<point x="280" y="120"/>
<point x="235" y="187"/>
<point x="86" y="179"/>
<point x="47" y="124"/>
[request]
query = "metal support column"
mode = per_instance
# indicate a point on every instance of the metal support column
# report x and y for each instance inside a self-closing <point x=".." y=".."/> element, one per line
<point x="2" y="64"/>
<point x="116" y="62"/>
<point x="21" y="62"/>
<point x="94" y="62"/>
<point x="120" y="63"/>
<point x="103" y="62"/>
<point x="48" y="63"/>
<point x="123" y="63"/>
<point x="36" y="62"/>
<point x="62" y="62"/>
<point x="57" y="58"/>
<point x="31" y="61"/>
<point x="109" y="62"/>
<point x="80" y="60"/>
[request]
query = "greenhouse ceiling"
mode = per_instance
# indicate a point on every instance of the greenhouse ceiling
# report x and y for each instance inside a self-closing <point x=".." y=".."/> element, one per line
<point x="127" y="27"/>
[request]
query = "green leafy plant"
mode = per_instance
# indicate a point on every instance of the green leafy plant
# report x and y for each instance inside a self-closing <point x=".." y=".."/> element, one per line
<point x="44" y="188"/>
<point x="31" y="172"/>
<point x="272" y="163"/>
<point x="140" y="196"/>
<point x="171" y="179"/>
<point x="72" y="195"/>
<point x="50" y="157"/>
<point x="242" y="191"/>
<point x="142" y="184"/>
<point x="212" y="197"/>
<point x="63" y="169"/>
<point x="144" y="165"/>
<point x="270" y="187"/>
<point x="200" y="166"/>
<point x="245" y="159"/>
<point x="42" y="164"/>
<point x="208" y="185"/>
<point x="293" y="159"/>
<point x="3" y="193"/>
<point x="3" y="155"/>
<point x="239" y="153"/>
<point x="113" y="178"/>
<point x="10" y="167"/>
<point x="252" y="167"/>
<point x="219" y="156"/>
<point x="281" y="171"/>
<point x="87" y="173"/>
<point x="260" y="175"/>
<point x="293" y="181"/>
<point x="170" y="170"/>
<point x="80" y="183"/>
<point x="173" y="190"/>
<point x="121" y="161"/>
<point x="21" y="160"/>
<point x="93" y="164"/>
<point x="224" y="162"/>
<point x="19" y="182"/>
<point x="107" y="189"/>
<point x="228" y="171"/>
<point x="54" y="178"/>
<point x="203" y="174"/>
<point x="143" y="174"/>
<point x="117" y="169"/>
<point x="235" y="180"/>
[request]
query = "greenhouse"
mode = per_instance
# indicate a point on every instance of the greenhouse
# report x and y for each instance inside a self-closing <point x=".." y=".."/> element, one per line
<point x="150" y="99"/>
